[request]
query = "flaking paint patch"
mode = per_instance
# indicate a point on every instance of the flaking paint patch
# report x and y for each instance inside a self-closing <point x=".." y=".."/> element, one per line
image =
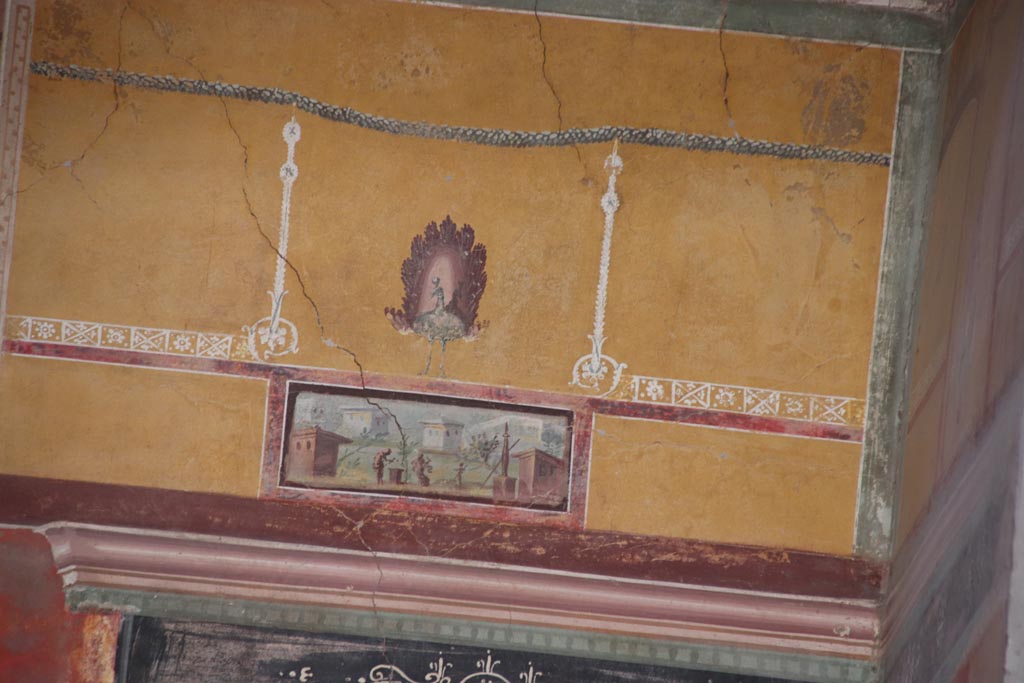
<point x="61" y="32"/>
<point x="40" y="640"/>
<point x="94" y="658"/>
<point x="835" y="114"/>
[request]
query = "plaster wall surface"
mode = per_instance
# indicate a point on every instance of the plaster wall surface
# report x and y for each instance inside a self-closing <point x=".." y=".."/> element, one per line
<point x="739" y="278"/>
<point x="676" y="469"/>
<point x="747" y="179"/>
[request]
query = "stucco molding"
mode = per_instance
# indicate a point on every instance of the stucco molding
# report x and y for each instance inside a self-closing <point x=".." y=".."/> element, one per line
<point x="915" y="164"/>
<point x="15" y="56"/>
<point x="226" y="569"/>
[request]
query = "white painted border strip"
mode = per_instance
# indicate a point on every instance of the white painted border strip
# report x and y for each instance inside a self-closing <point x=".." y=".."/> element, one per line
<point x="213" y="345"/>
<point x="731" y="398"/>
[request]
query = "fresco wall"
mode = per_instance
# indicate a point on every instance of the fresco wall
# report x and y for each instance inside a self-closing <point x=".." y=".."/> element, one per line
<point x="489" y="303"/>
<point x="670" y="236"/>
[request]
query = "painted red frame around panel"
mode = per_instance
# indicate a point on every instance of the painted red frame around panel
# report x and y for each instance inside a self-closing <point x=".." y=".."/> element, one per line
<point x="273" y="455"/>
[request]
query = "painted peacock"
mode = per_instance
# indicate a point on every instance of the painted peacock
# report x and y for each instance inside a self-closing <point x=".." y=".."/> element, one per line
<point x="444" y="280"/>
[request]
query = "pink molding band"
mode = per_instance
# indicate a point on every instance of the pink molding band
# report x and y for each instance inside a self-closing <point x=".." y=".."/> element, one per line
<point x="225" y="569"/>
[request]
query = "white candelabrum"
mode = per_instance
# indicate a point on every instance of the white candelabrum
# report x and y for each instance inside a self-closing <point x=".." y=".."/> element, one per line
<point x="596" y="371"/>
<point x="274" y="335"/>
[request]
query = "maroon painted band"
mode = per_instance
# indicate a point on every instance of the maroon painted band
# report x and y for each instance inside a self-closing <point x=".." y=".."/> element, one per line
<point x="35" y="501"/>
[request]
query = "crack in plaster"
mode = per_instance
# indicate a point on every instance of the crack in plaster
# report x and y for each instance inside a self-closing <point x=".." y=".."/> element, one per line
<point x="324" y="339"/>
<point x="85" y="190"/>
<point x="71" y="163"/>
<point x="725" y="67"/>
<point x="327" y="341"/>
<point x="357" y="527"/>
<point x="459" y="546"/>
<point x="544" y="62"/>
<point x="23" y="190"/>
<point x="408" y="526"/>
<point x="165" y="41"/>
<point x="547" y="78"/>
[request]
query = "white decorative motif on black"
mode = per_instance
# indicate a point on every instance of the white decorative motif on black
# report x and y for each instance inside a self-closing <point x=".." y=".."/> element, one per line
<point x="439" y="673"/>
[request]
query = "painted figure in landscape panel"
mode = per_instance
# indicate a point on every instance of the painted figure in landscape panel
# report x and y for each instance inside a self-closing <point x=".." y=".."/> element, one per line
<point x="410" y="445"/>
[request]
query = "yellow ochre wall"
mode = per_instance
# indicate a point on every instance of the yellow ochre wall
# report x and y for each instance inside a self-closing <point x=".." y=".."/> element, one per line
<point x="686" y="481"/>
<point x="146" y="208"/>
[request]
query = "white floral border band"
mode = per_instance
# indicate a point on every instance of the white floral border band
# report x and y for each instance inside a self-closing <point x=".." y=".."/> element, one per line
<point x="729" y="398"/>
<point x="130" y="338"/>
<point x="790" y="405"/>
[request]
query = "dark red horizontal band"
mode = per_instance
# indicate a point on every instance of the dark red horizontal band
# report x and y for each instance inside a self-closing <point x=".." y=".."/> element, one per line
<point x="36" y="501"/>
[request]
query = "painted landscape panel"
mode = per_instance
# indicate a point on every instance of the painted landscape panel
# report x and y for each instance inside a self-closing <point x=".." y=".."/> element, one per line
<point x="400" y="444"/>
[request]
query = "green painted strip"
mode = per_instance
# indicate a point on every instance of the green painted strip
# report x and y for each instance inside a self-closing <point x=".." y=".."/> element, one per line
<point x="315" y="619"/>
<point x="800" y="18"/>
<point x="913" y="171"/>
<point x="839" y="22"/>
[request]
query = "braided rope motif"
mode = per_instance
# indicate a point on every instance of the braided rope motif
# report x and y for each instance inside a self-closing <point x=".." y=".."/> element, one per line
<point x="489" y="137"/>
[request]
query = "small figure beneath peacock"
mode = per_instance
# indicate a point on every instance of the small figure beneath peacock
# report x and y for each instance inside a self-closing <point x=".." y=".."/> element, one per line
<point x="444" y="280"/>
